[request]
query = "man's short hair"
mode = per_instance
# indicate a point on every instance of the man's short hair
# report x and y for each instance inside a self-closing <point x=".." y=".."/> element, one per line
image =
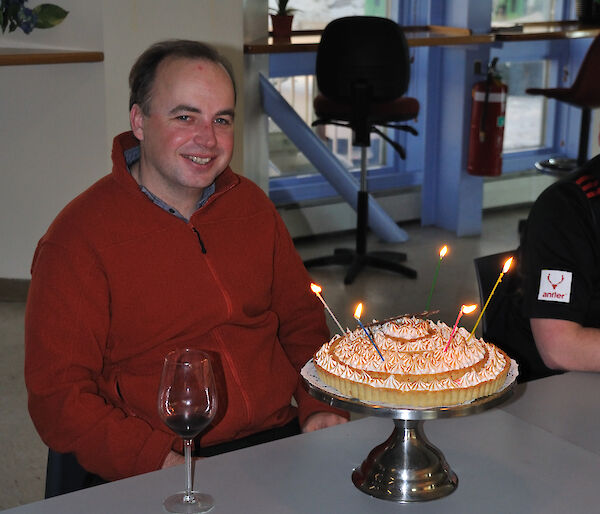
<point x="143" y="72"/>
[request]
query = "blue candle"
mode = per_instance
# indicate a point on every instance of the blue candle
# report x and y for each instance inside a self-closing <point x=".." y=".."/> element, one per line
<point x="357" y="318"/>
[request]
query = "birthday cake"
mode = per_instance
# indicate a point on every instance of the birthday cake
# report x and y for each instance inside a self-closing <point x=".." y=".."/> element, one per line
<point x="407" y="361"/>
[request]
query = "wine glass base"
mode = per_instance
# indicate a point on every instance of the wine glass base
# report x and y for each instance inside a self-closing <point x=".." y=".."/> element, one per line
<point x="177" y="503"/>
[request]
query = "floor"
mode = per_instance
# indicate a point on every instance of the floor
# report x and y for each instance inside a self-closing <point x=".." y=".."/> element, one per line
<point x="383" y="294"/>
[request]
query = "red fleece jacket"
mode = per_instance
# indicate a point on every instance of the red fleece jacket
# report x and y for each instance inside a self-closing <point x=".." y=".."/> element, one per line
<point x="118" y="282"/>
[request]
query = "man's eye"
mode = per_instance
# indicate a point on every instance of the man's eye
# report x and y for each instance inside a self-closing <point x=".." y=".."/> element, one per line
<point x="183" y="117"/>
<point x="223" y="121"/>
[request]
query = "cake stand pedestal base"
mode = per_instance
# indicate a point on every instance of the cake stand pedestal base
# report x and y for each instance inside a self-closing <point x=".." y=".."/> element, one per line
<point x="406" y="467"/>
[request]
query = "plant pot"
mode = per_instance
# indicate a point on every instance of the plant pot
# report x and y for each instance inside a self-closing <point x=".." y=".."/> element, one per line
<point x="282" y="25"/>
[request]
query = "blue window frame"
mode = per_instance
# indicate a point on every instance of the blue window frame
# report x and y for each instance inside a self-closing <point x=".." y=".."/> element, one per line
<point x="561" y="131"/>
<point x="561" y="122"/>
<point x="396" y="173"/>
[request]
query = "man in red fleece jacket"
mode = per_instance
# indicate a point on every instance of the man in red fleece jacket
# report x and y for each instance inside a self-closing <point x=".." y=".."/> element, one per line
<point x="171" y="249"/>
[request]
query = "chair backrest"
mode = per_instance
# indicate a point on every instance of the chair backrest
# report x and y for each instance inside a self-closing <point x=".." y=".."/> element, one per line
<point x="64" y="475"/>
<point x="488" y="269"/>
<point x="363" y="55"/>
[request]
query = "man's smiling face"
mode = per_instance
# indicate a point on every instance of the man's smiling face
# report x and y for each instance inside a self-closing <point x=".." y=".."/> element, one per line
<point x="187" y="136"/>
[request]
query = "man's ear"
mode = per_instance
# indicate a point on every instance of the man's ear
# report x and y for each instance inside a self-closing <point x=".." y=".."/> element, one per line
<point x="136" y="120"/>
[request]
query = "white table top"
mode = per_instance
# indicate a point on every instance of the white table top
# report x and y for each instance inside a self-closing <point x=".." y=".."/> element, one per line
<point x="506" y="461"/>
<point x="567" y="406"/>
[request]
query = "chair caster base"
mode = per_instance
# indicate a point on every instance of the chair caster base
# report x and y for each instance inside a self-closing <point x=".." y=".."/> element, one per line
<point x="390" y="261"/>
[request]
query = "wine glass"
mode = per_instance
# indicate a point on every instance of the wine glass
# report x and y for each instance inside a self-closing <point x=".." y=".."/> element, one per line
<point x="187" y="403"/>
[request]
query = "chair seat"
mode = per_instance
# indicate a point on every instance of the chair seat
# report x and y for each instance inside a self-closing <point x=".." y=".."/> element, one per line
<point x="584" y="91"/>
<point x="582" y="97"/>
<point x="401" y="109"/>
<point x="64" y="475"/>
<point x="556" y="166"/>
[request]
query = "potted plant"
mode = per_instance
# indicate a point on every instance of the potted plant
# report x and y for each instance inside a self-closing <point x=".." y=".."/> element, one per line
<point x="14" y="15"/>
<point x="281" y="18"/>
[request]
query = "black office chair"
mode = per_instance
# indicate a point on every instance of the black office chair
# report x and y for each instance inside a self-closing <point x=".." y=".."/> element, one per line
<point x="64" y="475"/>
<point x="488" y="270"/>
<point x="362" y="70"/>
<point x="501" y="323"/>
<point x="583" y="93"/>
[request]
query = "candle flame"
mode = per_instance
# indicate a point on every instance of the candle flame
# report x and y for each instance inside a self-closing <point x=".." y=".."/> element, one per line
<point x="358" y="311"/>
<point x="468" y="309"/>
<point x="315" y="288"/>
<point x="507" y="265"/>
<point x="443" y="251"/>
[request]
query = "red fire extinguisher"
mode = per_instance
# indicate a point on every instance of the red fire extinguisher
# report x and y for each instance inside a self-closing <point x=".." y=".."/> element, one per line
<point x="487" y="125"/>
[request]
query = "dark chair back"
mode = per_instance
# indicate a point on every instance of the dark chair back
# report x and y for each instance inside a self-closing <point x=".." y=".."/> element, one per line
<point x="488" y="269"/>
<point x="502" y="323"/>
<point x="363" y="70"/>
<point x="359" y="52"/>
<point x="64" y="475"/>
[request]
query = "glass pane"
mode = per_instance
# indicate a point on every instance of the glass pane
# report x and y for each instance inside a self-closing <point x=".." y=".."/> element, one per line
<point x="315" y="14"/>
<point x="286" y="159"/>
<point x="284" y="156"/>
<point x="525" y="114"/>
<point x="510" y="12"/>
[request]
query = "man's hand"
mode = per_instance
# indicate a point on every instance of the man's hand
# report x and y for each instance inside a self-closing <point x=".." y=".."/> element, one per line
<point x="173" y="459"/>
<point x="320" y="420"/>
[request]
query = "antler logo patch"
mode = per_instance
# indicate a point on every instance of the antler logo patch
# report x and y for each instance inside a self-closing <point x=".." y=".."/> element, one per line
<point x="555" y="286"/>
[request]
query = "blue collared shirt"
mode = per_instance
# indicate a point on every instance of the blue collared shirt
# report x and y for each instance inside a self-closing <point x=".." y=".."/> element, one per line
<point x="133" y="155"/>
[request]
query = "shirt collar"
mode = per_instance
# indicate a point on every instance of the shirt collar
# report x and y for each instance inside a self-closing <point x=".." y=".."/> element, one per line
<point x="132" y="155"/>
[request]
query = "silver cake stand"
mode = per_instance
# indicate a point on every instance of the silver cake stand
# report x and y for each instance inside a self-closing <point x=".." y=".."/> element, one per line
<point x="406" y="467"/>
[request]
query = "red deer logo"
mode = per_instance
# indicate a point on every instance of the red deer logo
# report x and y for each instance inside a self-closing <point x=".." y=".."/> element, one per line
<point x="554" y="286"/>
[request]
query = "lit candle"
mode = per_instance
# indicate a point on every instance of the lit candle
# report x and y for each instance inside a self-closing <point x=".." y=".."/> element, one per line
<point x="465" y="309"/>
<point x="443" y="252"/>
<point x="357" y="314"/>
<point x="505" y="268"/>
<point x="317" y="290"/>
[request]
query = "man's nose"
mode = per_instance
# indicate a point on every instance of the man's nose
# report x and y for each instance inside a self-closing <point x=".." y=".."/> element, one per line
<point x="205" y="135"/>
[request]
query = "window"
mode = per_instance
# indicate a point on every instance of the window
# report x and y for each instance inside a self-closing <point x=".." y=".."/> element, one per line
<point x="512" y="12"/>
<point x="286" y="160"/>
<point x="525" y="114"/>
<point x="530" y="131"/>
<point x="315" y="14"/>
<point x="299" y="92"/>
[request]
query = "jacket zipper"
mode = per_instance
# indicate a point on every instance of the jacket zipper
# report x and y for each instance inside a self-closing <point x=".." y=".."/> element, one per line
<point x="199" y="240"/>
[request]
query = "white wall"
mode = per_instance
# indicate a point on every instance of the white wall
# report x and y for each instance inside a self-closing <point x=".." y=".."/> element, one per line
<point x="130" y="26"/>
<point x="58" y="121"/>
<point x="52" y="133"/>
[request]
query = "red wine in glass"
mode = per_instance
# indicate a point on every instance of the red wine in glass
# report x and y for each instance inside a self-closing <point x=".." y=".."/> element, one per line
<point x="187" y="403"/>
<point x="187" y="426"/>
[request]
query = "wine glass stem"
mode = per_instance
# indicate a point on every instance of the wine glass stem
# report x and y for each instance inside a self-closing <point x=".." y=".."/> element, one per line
<point x="188" y="497"/>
